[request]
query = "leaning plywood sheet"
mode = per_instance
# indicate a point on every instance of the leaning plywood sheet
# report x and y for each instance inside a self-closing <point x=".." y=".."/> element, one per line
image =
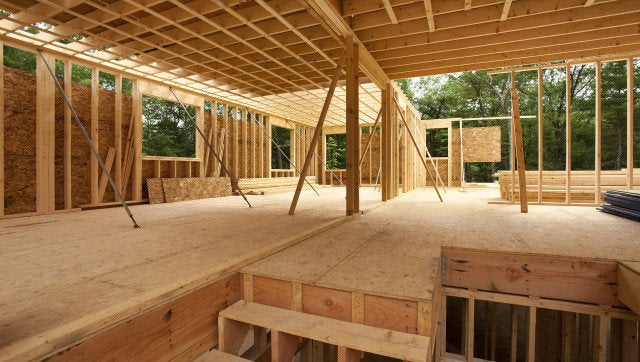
<point x="183" y="189"/>
<point x="156" y="194"/>
<point x="481" y="144"/>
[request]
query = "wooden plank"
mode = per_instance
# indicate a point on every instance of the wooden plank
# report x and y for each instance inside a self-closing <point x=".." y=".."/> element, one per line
<point x="629" y="340"/>
<point x="45" y="136"/>
<point x="200" y="142"/>
<point x="629" y="287"/>
<point x="364" y="338"/>
<point x="189" y="318"/>
<point x="117" y="134"/>
<point x="195" y="188"/>
<point x="563" y="278"/>
<point x="215" y="355"/>
<point x="357" y="307"/>
<point x="540" y="134"/>
<point x="254" y="148"/>
<point x="470" y="328"/>
<point x="2" y="131"/>
<point x="231" y="335"/>
<point x="108" y="163"/>
<point x="519" y="146"/>
<point x="531" y="334"/>
<point x="513" y="355"/>
<point x="283" y="346"/>
<point x="600" y="329"/>
<point x="389" y="313"/>
<point x="67" y="182"/>
<point x="584" y="342"/>
<point x="348" y="355"/>
<point x="353" y="128"/>
<point x="567" y="135"/>
<point x="325" y="302"/>
<point x="273" y="292"/>
<point x="234" y="143"/>
<point x="296" y="297"/>
<point x="207" y="152"/>
<point x="630" y="122"/>
<point x="247" y="287"/>
<point x="94" y="132"/>
<point x="598" y="133"/>
<point x="136" y="154"/>
<point x="244" y="141"/>
<point x="568" y="333"/>
<point x="267" y="148"/>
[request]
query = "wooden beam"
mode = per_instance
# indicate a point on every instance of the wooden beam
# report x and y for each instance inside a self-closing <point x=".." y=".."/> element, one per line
<point x="630" y="122"/>
<point x="540" y="135"/>
<point x="353" y="128"/>
<point x="531" y="334"/>
<point x="136" y="154"/>
<point x="231" y="335"/>
<point x="316" y="134"/>
<point x="470" y="328"/>
<point x="45" y="136"/>
<point x="389" y="9"/>
<point x="117" y="133"/>
<point x="348" y="355"/>
<point x="513" y="355"/>
<point x="108" y="163"/>
<point x="600" y="329"/>
<point x="95" y="135"/>
<point x="467" y="4"/>
<point x="244" y="139"/>
<point x="429" y="13"/>
<point x="629" y="287"/>
<point x="519" y="146"/>
<point x="2" y="130"/>
<point x="598" y="133"/>
<point x="567" y="136"/>
<point x="505" y="10"/>
<point x="283" y="346"/>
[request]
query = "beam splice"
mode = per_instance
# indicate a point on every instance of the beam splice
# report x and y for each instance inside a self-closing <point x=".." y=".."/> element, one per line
<point x="316" y="135"/>
<point x="333" y="20"/>
<point x="519" y="147"/>
<point x="429" y="12"/>
<point x="353" y="128"/>
<point x="389" y="9"/>
<point x="505" y="10"/>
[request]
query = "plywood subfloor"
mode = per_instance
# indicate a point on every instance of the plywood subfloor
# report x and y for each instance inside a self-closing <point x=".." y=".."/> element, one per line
<point x="56" y="269"/>
<point x="394" y="250"/>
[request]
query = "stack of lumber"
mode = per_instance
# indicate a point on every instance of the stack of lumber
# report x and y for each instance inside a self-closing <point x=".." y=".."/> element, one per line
<point x="622" y="203"/>
<point x="271" y="185"/>
<point x="554" y="184"/>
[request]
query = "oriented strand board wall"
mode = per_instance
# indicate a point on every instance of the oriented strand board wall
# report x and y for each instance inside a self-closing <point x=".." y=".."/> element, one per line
<point x="481" y="144"/>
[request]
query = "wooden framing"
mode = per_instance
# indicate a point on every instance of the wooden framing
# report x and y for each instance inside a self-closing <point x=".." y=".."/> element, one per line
<point x="519" y="147"/>
<point x="45" y="137"/>
<point x="2" y="130"/>
<point x="567" y="138"/>
<point x="353" y="129"/>
<point x="630" y="122"/>
<point x="598" y="134"/>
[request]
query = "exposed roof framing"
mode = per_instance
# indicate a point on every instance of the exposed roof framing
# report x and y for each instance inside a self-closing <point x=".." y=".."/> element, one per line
<point x="277" y="56"/>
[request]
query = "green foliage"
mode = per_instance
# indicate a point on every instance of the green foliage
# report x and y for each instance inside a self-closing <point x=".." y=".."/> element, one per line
<point x="282" y="137"/>
<point x="166" y="129"/>
<point x="336" y="156"/>
<point x="19" y="59"/>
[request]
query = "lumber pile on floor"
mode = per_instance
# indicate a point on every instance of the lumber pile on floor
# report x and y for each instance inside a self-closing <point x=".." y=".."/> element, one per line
<point x="622" y="203"/>
<point x="182" y="189"/>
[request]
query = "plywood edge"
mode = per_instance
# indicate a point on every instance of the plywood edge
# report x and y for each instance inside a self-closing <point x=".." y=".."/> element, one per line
<point x="55" y="340"/>
<point x="629" y="286"/>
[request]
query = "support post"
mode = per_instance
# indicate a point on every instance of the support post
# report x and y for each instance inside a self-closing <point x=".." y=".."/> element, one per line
<point x="540" y="136"/>
<point x="136" y="182"/>
<point x="95" y="135"/>
<point x="353" y="128"/>
<point x="386" y="148"/>
<point x="568" y="136"/>
<point x="598" y="133"/>
<point x="630" y="123"/>
<point x="519" y="149"/>
<point x="68" y="86"/>
<point x="45" y="137"/>
<point x="2" y="131"/>
<point x="531" y="334"/>
<point x="316" y="135"/>
<point x="267" y="147"/>
<point x="117" y="133"/>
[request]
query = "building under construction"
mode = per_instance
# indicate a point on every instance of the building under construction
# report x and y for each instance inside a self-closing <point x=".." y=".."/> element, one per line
<point x="111" y="253"/>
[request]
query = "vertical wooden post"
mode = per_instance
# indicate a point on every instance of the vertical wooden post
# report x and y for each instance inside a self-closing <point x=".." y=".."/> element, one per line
<point x="2" y="130"/>
<point x="357" y="307"/>
<point x="470" y="332"/>
<point x="600" y="332"/>
<point x="353" y="128"/>
<point x="45" y="136"/>
<point x="519" y="149"/>
<point x="385" y="144"/>
<point x="244" y="139"/>
<point x="267" y="148"/>
<point x="568" y="137"/>
<point x="283" y="346"/>
<point x="540" y="136"/>
<point x="225" y="126"/>
<point x="260" y="135"/>
<point x="513" y="356"/>
<point x="630" y="123"/>
<point x="598" y="133"/>
<point x="531" y="334"/>
<point x="95" y="135"/>
<point x="117" y="134"/>
<point x="137" y="141"/>
<point x="254" y="150"/>
<point x="234" y="143"/>
<point x="200" y="142"/>
<point x="568" y="332"/>
<point x="449" y="155"/>
<point x="348" y="355"/>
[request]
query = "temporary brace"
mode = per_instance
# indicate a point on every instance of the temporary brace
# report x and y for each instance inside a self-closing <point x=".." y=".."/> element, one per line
<point x="88" y="139"/>
<point x="234" y="182"/>
<point x="285" y="155"/>
<point x="314" y="152"/>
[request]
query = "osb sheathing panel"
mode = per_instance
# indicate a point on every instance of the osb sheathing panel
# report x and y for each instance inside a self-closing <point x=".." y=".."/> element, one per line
<point x="443" y="170"/>
<point x="156" y="195"/>
<point x="481" y="144"/>
<point x="183" y="189"/>
<point x="19" y="141"/>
